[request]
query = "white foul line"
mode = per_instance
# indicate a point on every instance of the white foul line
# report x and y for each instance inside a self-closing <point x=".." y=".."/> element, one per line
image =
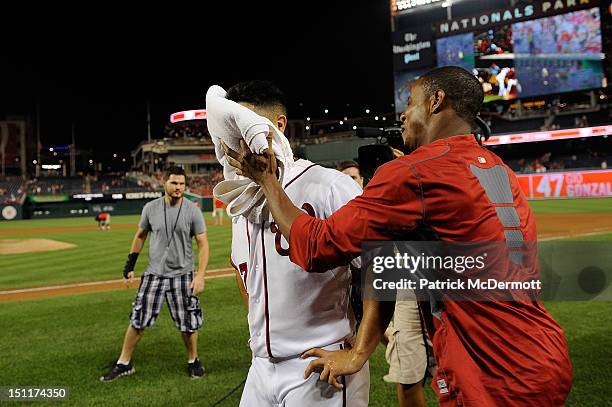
<point x="92" y="283"/>
<point x="596" y="233"/>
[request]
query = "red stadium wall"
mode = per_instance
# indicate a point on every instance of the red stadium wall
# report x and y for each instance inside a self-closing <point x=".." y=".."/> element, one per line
<point x="575" y="184"/>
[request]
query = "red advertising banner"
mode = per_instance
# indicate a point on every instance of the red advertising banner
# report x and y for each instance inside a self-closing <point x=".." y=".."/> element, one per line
<point x="576" y="184"/>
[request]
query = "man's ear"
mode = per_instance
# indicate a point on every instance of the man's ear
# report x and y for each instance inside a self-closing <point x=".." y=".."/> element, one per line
<point x="281" y="122"/>
<point x="436" y="101"/>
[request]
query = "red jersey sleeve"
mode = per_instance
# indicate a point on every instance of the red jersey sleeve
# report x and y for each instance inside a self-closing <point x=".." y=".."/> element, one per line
<point x="390" y="205"/>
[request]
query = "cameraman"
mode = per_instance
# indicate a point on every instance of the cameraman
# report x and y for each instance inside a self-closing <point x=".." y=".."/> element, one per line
<point x="488" y="353"/>
<point x="407" y="350"/>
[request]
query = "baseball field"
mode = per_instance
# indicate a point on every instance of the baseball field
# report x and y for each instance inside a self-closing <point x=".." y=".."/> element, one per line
<point x="63" y="314"/>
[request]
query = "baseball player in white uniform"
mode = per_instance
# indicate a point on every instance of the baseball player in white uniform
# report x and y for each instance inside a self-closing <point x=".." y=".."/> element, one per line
<point x="291" y="310"/>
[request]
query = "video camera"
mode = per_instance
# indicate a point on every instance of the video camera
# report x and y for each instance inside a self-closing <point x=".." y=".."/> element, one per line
<point x="372" y="156"/>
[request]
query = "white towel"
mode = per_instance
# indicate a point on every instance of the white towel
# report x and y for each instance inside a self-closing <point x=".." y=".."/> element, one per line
<point x="231" y="122"/>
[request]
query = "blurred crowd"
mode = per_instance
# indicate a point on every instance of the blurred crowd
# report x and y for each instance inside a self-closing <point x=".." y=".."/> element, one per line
<point x="107" y="183"/>
<point x="203" y="184"/>
<point x="199" y="183"/>
<point x="147" y="182"/>
<point x="11" y="191"/>
<point x="195" y="129"/>
<point x="551" y="161"/>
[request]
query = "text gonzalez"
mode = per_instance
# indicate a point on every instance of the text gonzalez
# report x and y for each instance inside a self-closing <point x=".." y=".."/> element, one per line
<point x="413" y="263"/>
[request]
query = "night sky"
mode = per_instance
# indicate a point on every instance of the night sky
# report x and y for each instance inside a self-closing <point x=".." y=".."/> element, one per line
<point x="97" y="66"/>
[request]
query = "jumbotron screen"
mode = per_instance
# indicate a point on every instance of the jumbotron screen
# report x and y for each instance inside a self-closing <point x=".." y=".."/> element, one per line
<point x="549" y="55"/>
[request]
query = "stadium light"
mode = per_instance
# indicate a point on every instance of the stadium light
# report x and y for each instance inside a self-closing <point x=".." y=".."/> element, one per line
<point x="341" y="122"/>
<point x="115" y="155"/>
<point x="199" y="114"/>
<point x="367" y="111"/>
<point x="307" y="127"/>
<point x="50" y="148"/>
<point x="326" y="111"/>
<point x="354" y="127"/>
<point x="375" y="117"/>
<point x="308" y="119"/>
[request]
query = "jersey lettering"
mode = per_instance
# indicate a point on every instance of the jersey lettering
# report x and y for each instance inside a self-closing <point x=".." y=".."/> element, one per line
<point x="277" y="234"/>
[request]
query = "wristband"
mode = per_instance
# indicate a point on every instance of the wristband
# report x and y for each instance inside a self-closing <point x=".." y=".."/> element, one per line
<point x="130" y="264"/>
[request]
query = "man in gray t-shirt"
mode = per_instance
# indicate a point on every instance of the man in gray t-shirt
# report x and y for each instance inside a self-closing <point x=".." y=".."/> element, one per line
<point x="172" y="222"/>
<point x="170" y="254"/>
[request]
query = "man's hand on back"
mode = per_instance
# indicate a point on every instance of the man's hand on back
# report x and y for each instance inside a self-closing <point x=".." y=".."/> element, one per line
<point x="332" y="364"/>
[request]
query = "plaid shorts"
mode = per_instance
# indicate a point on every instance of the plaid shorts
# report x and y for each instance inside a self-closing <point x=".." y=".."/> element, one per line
<point x="184" y="307"/>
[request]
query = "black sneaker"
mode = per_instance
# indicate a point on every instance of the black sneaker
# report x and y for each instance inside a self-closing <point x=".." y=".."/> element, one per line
<point x="195" y="369"/>
<point x="117" y="371"/>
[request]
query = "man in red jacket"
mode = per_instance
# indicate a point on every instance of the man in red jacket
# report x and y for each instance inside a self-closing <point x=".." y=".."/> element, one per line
<point x="495" y="353"/>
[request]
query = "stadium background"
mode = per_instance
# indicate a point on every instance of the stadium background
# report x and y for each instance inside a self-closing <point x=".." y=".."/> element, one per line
<point x="63" y="310"/>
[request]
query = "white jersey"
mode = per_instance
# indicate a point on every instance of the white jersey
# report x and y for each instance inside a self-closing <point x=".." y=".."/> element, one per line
<point x="291" y="310"/>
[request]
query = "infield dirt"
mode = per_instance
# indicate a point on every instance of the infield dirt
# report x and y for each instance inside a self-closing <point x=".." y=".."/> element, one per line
<point x="21" y="246"/>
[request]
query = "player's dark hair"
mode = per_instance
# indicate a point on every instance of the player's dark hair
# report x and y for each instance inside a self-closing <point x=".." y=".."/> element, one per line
<point x="463" y="91"/>
<point x="174" y="170"/>
<point x="258" y="93"/>
<point x="343" y="165"/>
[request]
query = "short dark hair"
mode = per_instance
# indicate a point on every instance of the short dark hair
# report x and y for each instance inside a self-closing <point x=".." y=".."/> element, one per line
<point x="174" y="170"/>
<point x="259" y="93"/>
<point x="463" y="91"/>
<point x="343" y="165"/>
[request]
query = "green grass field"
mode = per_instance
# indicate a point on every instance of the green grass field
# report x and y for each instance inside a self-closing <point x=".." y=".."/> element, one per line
<point x="69" y="341"/>
<point x="594" y="205"/>
<point x="98" y="255"/>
